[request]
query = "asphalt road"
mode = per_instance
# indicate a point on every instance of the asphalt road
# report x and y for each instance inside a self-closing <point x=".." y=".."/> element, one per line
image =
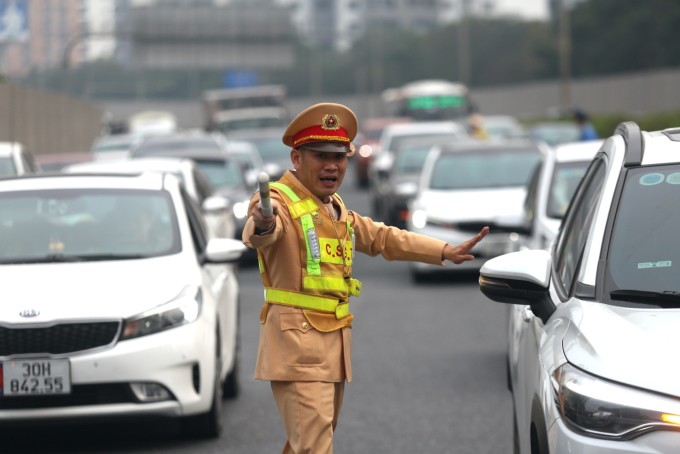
<point x="429" y="377"/>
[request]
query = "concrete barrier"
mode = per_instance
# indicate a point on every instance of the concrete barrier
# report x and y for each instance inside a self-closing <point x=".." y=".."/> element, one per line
<point x="47" y="123"/>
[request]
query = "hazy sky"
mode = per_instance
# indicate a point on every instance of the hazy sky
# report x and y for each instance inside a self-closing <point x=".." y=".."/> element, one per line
<point x="531" y="9"/>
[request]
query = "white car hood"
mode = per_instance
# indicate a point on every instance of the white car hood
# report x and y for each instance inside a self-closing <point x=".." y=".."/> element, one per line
<point x="636" y="347"/>
<point x="112" y="289"/>
<point x="474" y="205"/>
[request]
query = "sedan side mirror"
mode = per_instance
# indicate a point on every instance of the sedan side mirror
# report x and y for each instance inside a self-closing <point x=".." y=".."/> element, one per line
<point x="223" y="250"/>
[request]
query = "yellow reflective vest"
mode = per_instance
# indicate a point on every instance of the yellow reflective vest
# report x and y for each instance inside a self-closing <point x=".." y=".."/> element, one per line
<point x="326" y="248"/>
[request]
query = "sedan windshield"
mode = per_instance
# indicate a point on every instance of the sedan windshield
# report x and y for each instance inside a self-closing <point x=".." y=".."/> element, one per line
<point x="86" y="224"/>
<point x="222" y="172"/>
<point x="271" y="149"/>
<point x="644" y="248"/>
<point x="410" y="160"/>
<point x="484" y="169"/>
<point x="432" y="138"/>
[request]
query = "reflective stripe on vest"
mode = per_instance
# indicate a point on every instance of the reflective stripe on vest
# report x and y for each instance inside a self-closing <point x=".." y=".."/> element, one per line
<point x="306" y="301"/>
<point x="302" y="209"/>
<point x="325" y="283"/>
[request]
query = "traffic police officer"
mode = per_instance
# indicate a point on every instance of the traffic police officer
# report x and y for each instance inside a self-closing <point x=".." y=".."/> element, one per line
<point x="305" y="251"/>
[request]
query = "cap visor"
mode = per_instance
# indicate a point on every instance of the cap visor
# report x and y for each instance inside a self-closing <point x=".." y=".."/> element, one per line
<point x="327" y="147"/>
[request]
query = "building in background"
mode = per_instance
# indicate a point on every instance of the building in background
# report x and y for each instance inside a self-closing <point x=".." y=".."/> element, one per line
<point x="210" y="34"/>
<point x="99" y="29"/>
<point x="53" y="26"/>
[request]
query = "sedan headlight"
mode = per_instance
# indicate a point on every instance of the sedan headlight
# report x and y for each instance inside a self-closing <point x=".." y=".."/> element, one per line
<point x="604" y="409"/>
<point x="183" y="309"/>
<point x="241" y="209"/>
<point x="419" y="219"/>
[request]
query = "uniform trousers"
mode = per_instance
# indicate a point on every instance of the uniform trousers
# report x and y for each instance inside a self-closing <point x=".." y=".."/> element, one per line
<point x="309" y="411"/>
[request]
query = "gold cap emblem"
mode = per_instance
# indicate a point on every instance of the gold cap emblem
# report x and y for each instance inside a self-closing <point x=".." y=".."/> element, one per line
<point x="330" y="122"/>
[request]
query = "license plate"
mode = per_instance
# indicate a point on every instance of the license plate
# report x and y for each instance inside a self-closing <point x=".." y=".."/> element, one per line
<point x="28" y="377"/>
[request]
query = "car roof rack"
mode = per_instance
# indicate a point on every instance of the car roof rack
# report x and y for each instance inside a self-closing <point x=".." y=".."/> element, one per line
<point x="633" y="136"/>
<point x="672" y="133"/>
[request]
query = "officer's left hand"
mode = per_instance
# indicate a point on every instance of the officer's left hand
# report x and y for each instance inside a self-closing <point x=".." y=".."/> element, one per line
<point x="461" y="253"/>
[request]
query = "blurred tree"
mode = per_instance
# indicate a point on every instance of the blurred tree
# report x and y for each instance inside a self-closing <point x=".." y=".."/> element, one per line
<point x="610" y="36"/>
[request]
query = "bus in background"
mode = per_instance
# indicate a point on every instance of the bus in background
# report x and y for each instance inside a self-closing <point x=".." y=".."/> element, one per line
<point x="230" y="109"/>
<point x="152" y="122"/>
<point x="429" y="100"/>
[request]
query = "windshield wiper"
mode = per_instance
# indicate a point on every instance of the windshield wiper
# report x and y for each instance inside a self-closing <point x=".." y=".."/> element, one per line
<point x="666" y="298"/>
<point x="60" y="258"/>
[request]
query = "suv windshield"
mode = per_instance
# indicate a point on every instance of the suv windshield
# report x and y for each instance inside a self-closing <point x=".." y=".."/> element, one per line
<point x="644" y="248"/>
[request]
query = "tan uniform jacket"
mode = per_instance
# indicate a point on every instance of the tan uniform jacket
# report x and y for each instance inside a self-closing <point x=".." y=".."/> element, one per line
<point x="302" y="345"/>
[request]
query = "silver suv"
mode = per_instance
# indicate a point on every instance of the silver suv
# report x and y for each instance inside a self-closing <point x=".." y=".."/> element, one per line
<point x="592" y="360"/>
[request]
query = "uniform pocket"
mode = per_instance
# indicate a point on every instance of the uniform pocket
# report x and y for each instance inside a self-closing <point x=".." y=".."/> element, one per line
<point x="303" y="339"/>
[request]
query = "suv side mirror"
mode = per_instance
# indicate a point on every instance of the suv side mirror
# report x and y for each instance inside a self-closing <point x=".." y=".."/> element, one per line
<point x="520" y="278"/>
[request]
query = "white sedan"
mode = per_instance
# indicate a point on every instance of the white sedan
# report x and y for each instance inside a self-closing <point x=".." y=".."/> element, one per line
<point x="115" y="303"/>
<point x="551" y="188"/>
<point x="467" y="185"/>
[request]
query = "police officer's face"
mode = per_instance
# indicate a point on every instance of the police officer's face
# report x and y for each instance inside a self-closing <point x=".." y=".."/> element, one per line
<point x="321" y="172"/>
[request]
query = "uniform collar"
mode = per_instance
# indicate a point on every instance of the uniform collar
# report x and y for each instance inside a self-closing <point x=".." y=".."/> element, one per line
<point x="289" y="179"/>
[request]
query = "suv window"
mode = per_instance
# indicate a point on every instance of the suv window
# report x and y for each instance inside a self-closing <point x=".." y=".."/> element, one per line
<point x="573" y="234"/>
<point x="644" y="252"/>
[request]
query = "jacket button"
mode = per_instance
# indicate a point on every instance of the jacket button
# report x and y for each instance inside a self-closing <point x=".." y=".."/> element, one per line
<point x="305" y="325"/>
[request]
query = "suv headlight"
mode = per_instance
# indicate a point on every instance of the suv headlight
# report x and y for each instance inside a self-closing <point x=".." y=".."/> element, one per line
<point x="603" y="409"/>
<point x="183" y="309"/>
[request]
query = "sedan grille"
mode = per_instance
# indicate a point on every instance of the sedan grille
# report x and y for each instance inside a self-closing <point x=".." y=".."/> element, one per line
<point x="57" y="339"/>
<point x="98" y="394"/>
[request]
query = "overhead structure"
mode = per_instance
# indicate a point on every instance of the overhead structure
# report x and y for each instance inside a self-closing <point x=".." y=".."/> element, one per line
<point x="240" y="36"/>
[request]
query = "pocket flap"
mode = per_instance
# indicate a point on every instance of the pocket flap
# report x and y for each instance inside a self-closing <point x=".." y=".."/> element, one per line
<point x="294" y="321"/>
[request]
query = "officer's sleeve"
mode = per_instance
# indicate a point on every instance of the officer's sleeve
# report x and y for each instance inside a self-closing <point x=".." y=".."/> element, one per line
<point x="256" y="240"/>
<point x="392" y="243"/>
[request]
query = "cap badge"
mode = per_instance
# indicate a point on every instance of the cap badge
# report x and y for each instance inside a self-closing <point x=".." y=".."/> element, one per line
<point x="330" y="122"/>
